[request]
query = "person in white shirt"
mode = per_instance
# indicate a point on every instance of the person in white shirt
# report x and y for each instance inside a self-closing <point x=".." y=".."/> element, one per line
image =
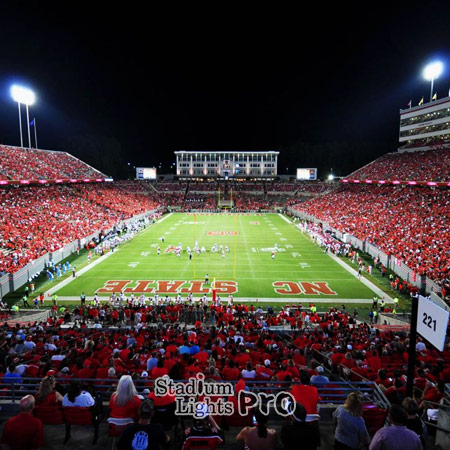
<point x="249" y="373"/>
<point x="76" y="397"/>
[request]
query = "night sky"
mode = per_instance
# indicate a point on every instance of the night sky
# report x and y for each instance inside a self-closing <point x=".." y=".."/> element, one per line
<point x="120" y="84"/>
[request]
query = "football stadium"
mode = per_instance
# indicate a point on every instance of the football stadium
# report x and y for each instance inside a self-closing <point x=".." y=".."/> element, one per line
<point x="225" y="301"/>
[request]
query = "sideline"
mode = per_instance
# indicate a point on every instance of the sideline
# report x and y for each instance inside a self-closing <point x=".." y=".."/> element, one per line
<point x="286" y="219"/>
<point x="68" y="280"/>
<point x="381" y="294"/>
<point x="361" y="301"/>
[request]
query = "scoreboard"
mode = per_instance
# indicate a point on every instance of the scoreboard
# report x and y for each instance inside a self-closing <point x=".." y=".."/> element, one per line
<point x="145" y="173"/>
<point x="307" y="174"/>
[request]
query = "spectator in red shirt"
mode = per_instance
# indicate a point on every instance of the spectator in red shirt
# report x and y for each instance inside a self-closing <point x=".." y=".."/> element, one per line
<point x="230" y="372"/>
<point x="306" y="395"/>
<point x="432" y="393"/>
<point x="47" y="395"/>
<point x="159" y="370"/>
<point x="125" y="402"/>
<point x="24" y="431"/>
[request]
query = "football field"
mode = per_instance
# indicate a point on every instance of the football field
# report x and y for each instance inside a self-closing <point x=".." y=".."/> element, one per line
<point x="247" y="268"/>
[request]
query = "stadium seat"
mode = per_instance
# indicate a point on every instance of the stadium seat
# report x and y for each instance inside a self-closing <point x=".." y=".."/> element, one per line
<point x="49" y="415"/>
<point x="374" y="417"/>
<point x="80" y="416"/>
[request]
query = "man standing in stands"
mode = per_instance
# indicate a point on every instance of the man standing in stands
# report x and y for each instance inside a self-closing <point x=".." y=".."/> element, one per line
<point x="23" y="431"/>
<point x="396" y="436"/>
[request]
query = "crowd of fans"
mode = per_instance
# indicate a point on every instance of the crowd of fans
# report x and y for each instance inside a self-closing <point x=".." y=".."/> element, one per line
<point x="40" y="219"/>
<point x="31" y="164"/>
<point x="430" y="165"/>
<point x="242" y="345"/>
<point x="411" y="224"/>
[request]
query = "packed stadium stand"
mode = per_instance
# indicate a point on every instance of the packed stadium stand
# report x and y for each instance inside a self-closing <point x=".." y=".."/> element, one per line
<point x="430" y="165"/>
<point x="410" y="223"/>
<point x="31" y="164"/>
<point x="40" y="219"/>
<point x="244" y="347"/>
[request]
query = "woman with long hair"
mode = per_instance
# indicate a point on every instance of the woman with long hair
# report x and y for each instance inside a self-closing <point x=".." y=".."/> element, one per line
<point x="351" y="432"/>
<point x="46" y="394"/>
<point x="124" y="401"/>
<point x="258" y="437"/>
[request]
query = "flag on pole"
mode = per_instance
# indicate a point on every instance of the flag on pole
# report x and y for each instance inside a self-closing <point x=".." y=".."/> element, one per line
<point x="434" y="96"/>
<point x="421" y="101"/>
<point x="410" y="104"/>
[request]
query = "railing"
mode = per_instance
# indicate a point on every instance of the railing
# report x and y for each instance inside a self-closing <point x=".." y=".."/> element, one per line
<point x="335" y="393"/>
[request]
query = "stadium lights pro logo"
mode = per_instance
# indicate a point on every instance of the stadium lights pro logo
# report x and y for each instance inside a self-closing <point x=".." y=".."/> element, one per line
<point x="196" y="392"/>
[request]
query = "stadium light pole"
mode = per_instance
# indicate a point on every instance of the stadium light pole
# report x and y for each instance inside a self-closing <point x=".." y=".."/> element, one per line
<point x="431" y="72"/>
<point x="24" y="96"/>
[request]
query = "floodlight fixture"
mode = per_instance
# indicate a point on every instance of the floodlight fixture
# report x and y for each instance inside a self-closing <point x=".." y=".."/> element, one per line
<point x="431" y="72"/>
<point x="23" y="95"/>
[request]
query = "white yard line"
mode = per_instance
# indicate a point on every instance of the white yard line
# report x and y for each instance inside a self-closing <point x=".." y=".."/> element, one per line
<point x="285" y="219"/>
<point x="365" y="281"/>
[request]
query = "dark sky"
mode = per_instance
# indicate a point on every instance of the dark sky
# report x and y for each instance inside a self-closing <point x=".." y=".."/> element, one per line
<point x="145" y="82"/>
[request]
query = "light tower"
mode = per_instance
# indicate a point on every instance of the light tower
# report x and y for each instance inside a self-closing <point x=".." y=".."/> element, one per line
<point x="24" y="96"/>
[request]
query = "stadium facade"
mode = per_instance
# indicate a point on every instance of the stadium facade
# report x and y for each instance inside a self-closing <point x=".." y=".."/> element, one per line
<point x="226" y="164"/>
<point x="425" y="126"/>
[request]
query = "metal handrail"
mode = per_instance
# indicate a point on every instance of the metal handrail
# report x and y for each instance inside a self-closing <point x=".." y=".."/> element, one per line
<point x="14" y="389"/>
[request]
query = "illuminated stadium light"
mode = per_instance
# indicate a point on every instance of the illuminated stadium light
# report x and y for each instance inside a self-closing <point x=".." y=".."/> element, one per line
<point x="368" y="181"/>
<point x="396" y="182"/>
<point x="412" y="182"/>
<point x="381" y="182"/>
<point x="431" y="72"/>
<point x="23" y="95"/>
<point x="431" y="183"/>
<point x="26" y="97"/>
<point x="330" y="177"/>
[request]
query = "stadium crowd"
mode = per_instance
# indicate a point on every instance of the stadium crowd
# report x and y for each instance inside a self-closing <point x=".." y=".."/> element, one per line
<point x="430" y="165"/>
<point x="40" y="219"/>
<point x="411" y="224"/>
<point x="31" y="164"/>
<point x="239" y="344"/>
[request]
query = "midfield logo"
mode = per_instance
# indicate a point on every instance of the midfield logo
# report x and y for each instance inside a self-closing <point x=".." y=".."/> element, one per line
<point x="167" y="287"/>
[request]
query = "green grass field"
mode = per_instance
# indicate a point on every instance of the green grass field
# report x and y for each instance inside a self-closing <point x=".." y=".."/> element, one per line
<point x="300" y="269"/>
